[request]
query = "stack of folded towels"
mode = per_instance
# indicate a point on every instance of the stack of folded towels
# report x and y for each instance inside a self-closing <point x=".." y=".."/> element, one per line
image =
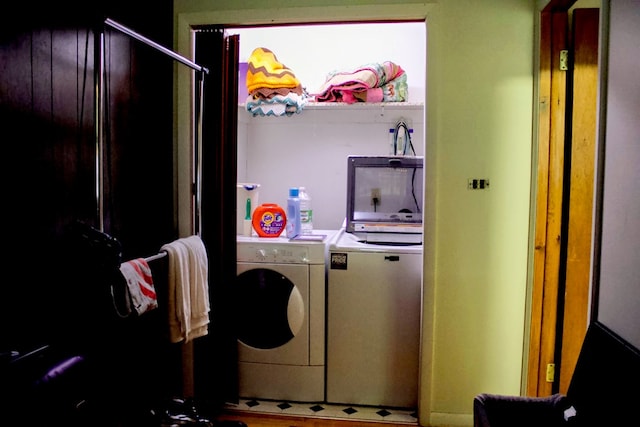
<point x="273" y="88"/>
<point x="374" y="82"/>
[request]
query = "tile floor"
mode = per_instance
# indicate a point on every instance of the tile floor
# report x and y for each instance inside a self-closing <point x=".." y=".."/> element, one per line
<point x="326" y="410"/>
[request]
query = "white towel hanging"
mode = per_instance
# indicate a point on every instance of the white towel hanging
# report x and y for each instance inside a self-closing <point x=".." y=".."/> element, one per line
<point x="188" y="301"/>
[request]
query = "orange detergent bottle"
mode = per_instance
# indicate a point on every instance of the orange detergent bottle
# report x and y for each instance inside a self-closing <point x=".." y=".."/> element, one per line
<point x="269" y="220"/>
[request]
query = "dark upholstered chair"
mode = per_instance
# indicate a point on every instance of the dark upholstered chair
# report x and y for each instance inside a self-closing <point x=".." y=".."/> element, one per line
<point x="492" y="410"/>
<point x="42" y="388"/>
<point x="604" y="391"/>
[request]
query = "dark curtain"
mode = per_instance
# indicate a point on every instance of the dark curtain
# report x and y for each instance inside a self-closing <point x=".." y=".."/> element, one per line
<point x="215" y="355"/>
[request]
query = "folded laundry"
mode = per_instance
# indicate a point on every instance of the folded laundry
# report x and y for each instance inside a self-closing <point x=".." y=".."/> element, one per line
<point x="268" y="93"/>
<point x="393" y="91"/>
<point x="375" y="82"/>
<point x="265" y="71"/>
<point x="278" y="105"/>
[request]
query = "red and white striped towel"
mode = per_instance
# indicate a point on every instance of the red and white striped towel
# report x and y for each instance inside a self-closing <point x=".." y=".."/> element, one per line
<point x="140" y="283"/>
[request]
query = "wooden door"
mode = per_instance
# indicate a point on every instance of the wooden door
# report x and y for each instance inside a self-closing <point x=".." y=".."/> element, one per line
<point x="564" y="196"/>
<point x="549" y="184"/>
<point x="581" y="170"/>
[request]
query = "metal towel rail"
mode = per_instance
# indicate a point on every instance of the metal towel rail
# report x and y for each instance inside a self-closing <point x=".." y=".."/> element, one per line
<point x="159" y="255"/>
<point x="99" y="71"/>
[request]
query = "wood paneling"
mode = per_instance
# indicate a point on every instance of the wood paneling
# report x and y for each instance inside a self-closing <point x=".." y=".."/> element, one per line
<point x="49" y="164"/>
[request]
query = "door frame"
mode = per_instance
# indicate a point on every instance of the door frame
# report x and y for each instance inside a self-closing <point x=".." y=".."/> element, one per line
<point x="185" y="24"/>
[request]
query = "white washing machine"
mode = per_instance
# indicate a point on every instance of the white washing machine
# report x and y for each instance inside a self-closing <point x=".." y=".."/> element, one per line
<point x="280" y="289"/>
<point x="374" y="306"/>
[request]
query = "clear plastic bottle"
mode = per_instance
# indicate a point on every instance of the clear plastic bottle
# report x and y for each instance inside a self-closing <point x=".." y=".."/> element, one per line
<point x="306" y="212"/>
<point x="293" y="225"/>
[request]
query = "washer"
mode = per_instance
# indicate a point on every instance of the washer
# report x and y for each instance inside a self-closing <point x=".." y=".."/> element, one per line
<point x="280" y="288"/>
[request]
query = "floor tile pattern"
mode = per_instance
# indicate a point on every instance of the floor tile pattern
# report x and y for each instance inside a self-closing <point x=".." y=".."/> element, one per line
<point x="326" y="410"/>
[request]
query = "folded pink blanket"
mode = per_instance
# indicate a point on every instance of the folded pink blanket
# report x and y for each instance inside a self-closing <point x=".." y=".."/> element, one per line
<point x="376" y="82"/>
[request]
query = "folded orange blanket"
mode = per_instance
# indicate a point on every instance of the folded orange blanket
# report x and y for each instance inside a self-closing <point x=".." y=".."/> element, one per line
<point x="265" y="71"/>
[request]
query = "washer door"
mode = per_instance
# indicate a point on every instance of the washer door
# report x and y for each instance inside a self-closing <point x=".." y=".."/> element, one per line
<point x="273" y="321"/>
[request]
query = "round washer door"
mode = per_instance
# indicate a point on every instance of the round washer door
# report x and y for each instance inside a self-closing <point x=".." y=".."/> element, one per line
<point x="272" y="319"/>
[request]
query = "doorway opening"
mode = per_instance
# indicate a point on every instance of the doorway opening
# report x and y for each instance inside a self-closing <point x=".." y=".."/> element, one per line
<point x="311" y="148"/>
<point x="313" y="145"/>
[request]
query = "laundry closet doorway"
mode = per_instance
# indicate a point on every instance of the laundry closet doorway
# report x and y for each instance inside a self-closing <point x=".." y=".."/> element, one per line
<point x="310" y="148"/>
<point x="370" y="118"/>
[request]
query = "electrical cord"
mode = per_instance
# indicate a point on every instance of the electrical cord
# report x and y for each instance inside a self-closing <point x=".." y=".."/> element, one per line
<point x="413" y="190"/>
<point x="401" y="126"/>
<point x="401" y="129"/>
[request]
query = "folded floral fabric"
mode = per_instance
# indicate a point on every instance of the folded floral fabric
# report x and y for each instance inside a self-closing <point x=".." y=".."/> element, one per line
<point x="265" y="71"/>
<point x="394" y="91"/>
<point x="360" y="84"/>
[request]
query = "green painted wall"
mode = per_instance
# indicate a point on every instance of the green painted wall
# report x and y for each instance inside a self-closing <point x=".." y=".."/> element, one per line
<point x="479" y="120"/>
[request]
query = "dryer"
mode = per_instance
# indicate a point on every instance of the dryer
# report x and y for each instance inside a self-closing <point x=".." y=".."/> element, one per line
<point x="374" y="304"/>
<point x="280" y="293"/>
